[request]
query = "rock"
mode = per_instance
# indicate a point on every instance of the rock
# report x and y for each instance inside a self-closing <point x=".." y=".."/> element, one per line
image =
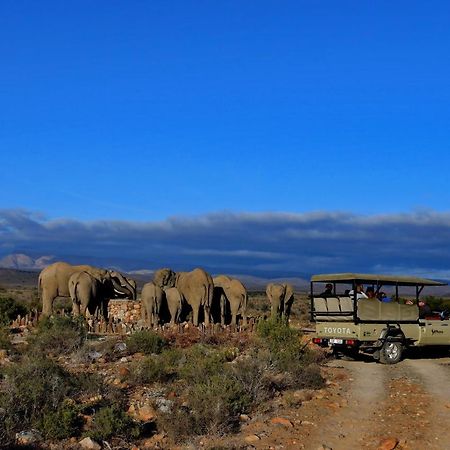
<point x="324" y="447"/>
<point x="282" y="421"/>
<point x="28" y="437"/>
<point x="153" y="442"/>
<point x="120" y="347"/>
<point x="94" y="355"/>
<point x="251" y="438"/>
<point x="244" y="418"/>
<point x="164" y="405"/>
<point x="388" y="444"/>
<point x="124" y="372"/>
<point x="89" y="444"/>
<point x="123" y="359"/>
<point x="303" y="395"/>
<point x="145" y="413"/>
<point x="306" y="422"/>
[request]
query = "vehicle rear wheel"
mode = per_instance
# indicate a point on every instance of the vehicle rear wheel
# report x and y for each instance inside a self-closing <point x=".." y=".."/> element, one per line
<point x="391" y="352"/>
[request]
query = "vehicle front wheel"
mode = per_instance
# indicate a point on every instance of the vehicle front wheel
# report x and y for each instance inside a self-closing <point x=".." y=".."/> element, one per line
<point x="391" y="352"/>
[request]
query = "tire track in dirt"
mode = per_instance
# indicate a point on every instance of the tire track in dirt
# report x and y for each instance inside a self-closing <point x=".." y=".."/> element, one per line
<point x="434" y="378"/>
<point x="347" y="428"/>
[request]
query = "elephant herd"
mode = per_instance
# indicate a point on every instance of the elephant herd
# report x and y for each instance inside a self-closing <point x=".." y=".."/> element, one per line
<point x="219" y="299"/>
<point x="167" y="298"/>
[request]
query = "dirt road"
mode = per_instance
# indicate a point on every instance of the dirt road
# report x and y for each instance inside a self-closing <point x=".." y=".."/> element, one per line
<point x="408" y="403"/>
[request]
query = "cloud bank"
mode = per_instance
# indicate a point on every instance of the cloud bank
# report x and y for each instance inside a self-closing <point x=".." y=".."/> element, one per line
<point x="269" y="244"/>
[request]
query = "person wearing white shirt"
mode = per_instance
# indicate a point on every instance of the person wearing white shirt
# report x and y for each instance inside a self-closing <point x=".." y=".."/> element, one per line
<point x="359" y="292"/>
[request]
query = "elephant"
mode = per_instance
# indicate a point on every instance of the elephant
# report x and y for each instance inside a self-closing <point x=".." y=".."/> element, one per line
<point x="281" y="297"/>
<point x="195" y="287"/>
<point x="151" y="298"/>
<point x="174" y="303"/>
<point x="123" y="286"/>
<point x="54" y="282"/>
<point x="231" y="294"/>
<point x="90" y="294"/>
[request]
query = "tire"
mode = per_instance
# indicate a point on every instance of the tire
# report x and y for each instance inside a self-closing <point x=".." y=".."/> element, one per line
<point x="391" y="352"/>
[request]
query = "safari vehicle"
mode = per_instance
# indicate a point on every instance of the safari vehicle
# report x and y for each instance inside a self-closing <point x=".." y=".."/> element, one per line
<point x="384" y="329"/>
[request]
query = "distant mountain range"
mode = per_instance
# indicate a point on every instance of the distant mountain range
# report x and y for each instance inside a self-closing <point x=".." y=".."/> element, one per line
<point x="19" y="261"/>
<point x="21" y="269"/>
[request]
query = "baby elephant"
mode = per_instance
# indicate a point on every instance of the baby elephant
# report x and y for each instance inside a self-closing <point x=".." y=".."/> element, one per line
<point x="151" y="298"/>
<point x="173" y="298"/>
<point x="88" y="295"/>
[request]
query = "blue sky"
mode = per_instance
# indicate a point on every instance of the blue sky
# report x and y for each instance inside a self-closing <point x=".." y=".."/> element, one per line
<point x="145" y="110"/>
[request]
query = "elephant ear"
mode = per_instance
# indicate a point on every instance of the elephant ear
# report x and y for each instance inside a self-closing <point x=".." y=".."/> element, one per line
<point x="269" y="291"/>
<point x="164" y="277"/>
<point x="289" y="292"/>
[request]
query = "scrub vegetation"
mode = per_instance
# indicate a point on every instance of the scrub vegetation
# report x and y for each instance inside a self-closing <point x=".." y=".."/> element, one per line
<point x="66" y="386"/>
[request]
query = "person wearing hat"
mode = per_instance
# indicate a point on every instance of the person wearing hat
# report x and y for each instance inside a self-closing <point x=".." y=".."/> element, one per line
<point x="328" y="292"/>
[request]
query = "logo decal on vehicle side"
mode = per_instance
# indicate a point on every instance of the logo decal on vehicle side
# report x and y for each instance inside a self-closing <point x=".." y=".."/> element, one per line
<point x="337" y="330"/>
<point x="437" y="331"/>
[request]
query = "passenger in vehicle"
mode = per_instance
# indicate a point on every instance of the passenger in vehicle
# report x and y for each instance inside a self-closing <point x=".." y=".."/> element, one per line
<point x="359" y="292"/>
<point x="424" y="309"/>
<point x="370" y="292"/>
<point x="384" y="298"/>
<point x="328" y="292"/>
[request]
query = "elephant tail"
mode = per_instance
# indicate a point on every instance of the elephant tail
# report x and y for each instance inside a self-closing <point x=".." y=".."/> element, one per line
<point x="73" y="288"/>
<point x="39" y="287"/>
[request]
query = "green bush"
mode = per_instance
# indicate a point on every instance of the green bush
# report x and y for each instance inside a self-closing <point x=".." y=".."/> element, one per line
<point x="289" y="355"/>
<point x="146" y="342"/>
<point x="202" y="361"/>
<point x="57" y="335"/>
<point x="10" y="309"/>
<point x="113" y="421"/>
<point x="62" y="423"/>
<point x="33" y="388"/>
<point x="149" y="370"/>
<point x="216" y="403"/>
<point x="5" y="343"/>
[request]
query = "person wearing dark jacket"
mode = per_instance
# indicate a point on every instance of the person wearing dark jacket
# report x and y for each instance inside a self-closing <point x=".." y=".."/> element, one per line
<point x="328" y="292"/>
<point x="424" y="309"/>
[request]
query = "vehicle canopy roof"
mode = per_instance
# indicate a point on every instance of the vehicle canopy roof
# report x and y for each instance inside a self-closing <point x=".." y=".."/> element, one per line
<point x="367" y="278"/>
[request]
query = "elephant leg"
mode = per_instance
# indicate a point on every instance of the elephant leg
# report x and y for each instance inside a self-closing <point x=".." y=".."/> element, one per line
<point x="47" y="302"/>
<point x="83" y="309"/>
<point x="195" y="312"/>
<point x="207" y="313"/>
<point x="75" y="309"/>
<point x="222" y="309"/>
